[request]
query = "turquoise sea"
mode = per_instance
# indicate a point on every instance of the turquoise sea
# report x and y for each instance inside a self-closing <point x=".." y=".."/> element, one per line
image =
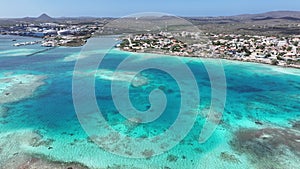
<point x="260" y="126"/>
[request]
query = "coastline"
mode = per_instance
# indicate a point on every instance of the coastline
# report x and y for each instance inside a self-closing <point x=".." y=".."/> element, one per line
<point x="76" y="41"/>
<point x="178" y="55"/>
<point x="59" y="140"/>
<point x="203" y="57"/>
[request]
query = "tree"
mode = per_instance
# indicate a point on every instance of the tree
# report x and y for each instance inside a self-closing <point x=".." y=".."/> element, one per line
<point x="279" y="57"/>
<point x="295" y="43"/>
<point x="124" y="43"/>
<point x="218" y="43"/>
<point x="268" y="55"/>
<point x="274" y="62"/>
<point x="247" y="54"/>
<point x="282" y="53"/>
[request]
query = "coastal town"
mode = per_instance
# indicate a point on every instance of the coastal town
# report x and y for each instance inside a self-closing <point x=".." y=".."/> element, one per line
<point x="53" y="33"/>
<point x="149" y="84"/>
<point x="282" y="51"/>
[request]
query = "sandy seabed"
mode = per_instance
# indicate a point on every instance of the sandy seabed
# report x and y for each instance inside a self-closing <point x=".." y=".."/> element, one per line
<point x="17" y="87"/>
<point x="12" y="154"/>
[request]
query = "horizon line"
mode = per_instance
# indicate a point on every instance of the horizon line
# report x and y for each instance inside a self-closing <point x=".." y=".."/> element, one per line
<point x="83" y="16"/>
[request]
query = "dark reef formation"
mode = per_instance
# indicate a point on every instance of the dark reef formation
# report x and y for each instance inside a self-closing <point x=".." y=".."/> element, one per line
<point x="267" y="147"/>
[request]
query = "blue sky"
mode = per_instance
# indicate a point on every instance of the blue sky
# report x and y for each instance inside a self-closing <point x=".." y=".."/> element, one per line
<point x="117" y="8"/>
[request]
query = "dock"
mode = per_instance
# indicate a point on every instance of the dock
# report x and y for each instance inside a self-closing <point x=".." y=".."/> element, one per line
<point x="41" y="51"/>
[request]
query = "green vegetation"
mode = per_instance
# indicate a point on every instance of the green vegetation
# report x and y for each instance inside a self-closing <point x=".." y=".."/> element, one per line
<point x="274" y="62"/>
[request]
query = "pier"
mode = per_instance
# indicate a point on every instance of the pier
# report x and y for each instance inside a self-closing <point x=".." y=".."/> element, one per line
<point x="41" y="51"/>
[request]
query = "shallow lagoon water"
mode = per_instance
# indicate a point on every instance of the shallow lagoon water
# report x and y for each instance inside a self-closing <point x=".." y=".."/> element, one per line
<point x="259" y="98"/>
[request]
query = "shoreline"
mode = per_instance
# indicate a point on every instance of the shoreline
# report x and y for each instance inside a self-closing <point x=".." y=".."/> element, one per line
<point x="172" y="54"/>
<point x="76" y="41"/>
<point x="202" y="57"/>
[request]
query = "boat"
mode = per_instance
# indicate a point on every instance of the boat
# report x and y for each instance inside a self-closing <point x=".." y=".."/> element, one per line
<point x="17" y="44"/>
<point x="48" y="44"/>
